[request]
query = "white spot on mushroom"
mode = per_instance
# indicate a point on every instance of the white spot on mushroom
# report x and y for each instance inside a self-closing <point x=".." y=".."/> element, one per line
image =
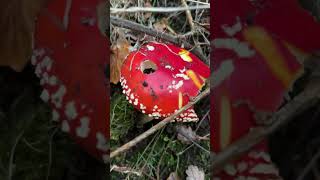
<point x="169" y="67"/>
<point x="143" y="111"/>
<point x="70" y="110"/>
<point x="44" y="79"/>
<point x="57" y="97"/>
<point x="150" y="48"/>
<point x="38" y="52"/>
<point x="101" y="142"/>
<point x="46" y="63"/>
<point x="53" y="81"/>
<point x="65" y="126"/>
<point x="264" y="168"/>
<point x="182" y="70"/>
<point x="178" y="85"/>
<point x="33" y="59"/>
<point x="156" y="114"/>
<point x="192" y="115"/>
<point x="184" y="76"/>
<point x="131" y="96"/>
<point x="256" y="155"/>
<point x="142" y="106"/>
<point x="128" y="92"/>
<point x="55" y="115"/>
<point x="230" y="169"/>
<point x="135" y="102"/>
<point x="38" y="70"/>
<point x="83" y="130"/>
<point x="234" y="29"/>
<point x="45" y="96"/>
<point x="241" y="48"/>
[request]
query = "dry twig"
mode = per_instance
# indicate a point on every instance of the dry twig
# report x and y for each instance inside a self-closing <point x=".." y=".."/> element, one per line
<point x="123" y="23"/>
<point x="309" y="167"/>
<point x="156" y="9"/>
<point x="125" y="170"/>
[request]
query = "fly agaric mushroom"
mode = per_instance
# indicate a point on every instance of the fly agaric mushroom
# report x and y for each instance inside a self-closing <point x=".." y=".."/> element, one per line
<point x="70" y="57"/>
<point x="159" y="79"/>
<point x="255" y="63"/>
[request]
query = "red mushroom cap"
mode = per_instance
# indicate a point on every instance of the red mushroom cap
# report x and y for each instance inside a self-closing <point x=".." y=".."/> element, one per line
<point x="255" y="64"/>
<point x="71" y="62"/>
<point x="159" y="79"/>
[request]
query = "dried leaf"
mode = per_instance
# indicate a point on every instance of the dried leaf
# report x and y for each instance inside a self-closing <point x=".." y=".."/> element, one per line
<point x="161" y="25"/>
<point x="194" y="173"/>
<point x="186" y="134"/>
<point x="17" y="21"/>
<point x="119" y="50"/>
<point x="173" y="176"/>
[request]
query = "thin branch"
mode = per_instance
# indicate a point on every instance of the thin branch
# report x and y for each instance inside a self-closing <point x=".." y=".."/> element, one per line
<point x="188" y="14"/>
<point x="198" y="2"/>
<point x="156" y="9"/>
<point x="308" y="98"/>
<point x="67" y="14"/>
<point x="12" y="153"/>
<point x="123" y="23"/>
<point x="158" y="126"/>
<point x="125" y="170"/>
<point x="309" y="167"/>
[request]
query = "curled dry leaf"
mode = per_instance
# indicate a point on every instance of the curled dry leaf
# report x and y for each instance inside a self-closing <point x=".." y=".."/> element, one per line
<point x="17" y="20"/>
<point x="186" y="134"/>
<point x="119" y="50"/>
<point x="161" y="25"/>
<point x="173" y="176"/>
<point x="194" y="173"/>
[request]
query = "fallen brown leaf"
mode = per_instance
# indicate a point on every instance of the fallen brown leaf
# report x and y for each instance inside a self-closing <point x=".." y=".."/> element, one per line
<point x="119" y="50"/>
<point x="17" y="21"/>
<point x="161" y="25"/>
<point x="186" y="134"/>
<point x="194" y="173"/>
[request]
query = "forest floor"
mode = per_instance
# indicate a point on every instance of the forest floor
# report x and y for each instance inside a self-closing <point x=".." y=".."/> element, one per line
<point x="163" y="154"/>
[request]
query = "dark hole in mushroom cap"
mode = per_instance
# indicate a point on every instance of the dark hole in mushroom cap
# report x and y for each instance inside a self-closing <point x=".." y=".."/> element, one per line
<point x="145" y="84"/>
<point x="148" y="67"/>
